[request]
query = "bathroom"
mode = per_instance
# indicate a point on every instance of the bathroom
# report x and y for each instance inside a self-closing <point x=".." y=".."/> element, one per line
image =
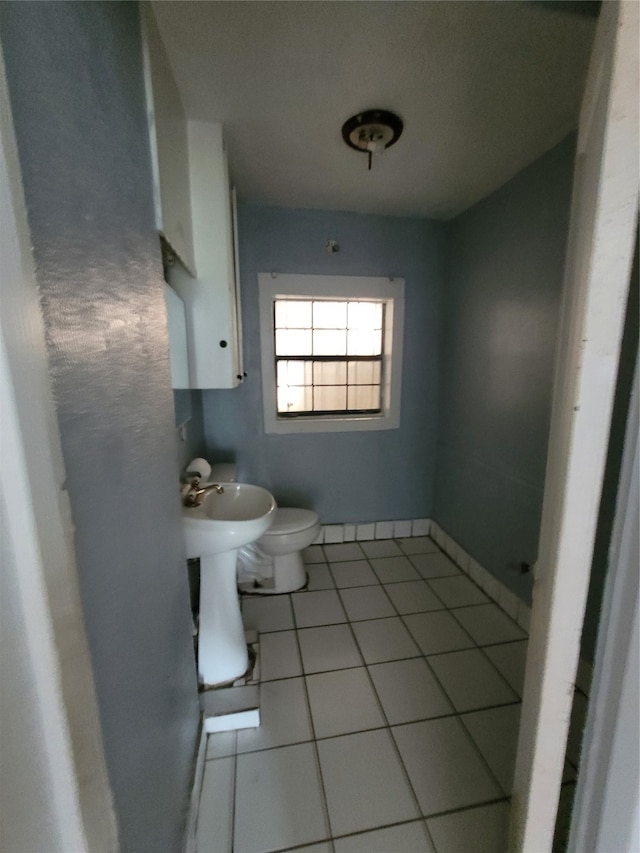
<point x="470" y="450"/>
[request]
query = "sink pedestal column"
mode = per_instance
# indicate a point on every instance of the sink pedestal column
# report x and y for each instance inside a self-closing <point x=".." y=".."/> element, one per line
<point x="222" y="650"/>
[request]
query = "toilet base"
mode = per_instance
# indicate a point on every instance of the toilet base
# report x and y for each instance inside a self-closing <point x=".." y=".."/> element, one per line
<point x="289" y="575"/>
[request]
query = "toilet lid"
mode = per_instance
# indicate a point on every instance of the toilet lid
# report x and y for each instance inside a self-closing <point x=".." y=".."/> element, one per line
<point x="292" y="520"/>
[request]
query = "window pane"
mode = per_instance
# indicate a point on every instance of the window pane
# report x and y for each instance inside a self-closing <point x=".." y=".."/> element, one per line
<point x="330" y="315"/>
<point x="364" y="396"/>
<point x="293" y="314"/>
<point x="329" y="397"/>
<point x="294" y="398"/>
<point x="295" y="372"/>
<point x="330" y="373"/>
<point x="365" y="315"/>
<point x="364" y="342"/>
<point x="329" y="342"/>
<point x="293" y="342"/>
<point x="364" y="372"/>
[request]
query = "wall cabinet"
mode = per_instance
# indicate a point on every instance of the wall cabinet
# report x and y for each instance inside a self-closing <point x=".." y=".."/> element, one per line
<point x="169" y="145"/>
<point x="195" y="213"/>
<point x="211" y="299"/>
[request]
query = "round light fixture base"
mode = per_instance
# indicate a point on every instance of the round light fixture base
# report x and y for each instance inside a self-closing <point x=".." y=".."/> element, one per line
<point x="372" y="131"/>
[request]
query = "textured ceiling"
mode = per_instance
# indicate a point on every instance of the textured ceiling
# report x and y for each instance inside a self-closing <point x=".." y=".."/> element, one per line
<point x="483" y="88"/>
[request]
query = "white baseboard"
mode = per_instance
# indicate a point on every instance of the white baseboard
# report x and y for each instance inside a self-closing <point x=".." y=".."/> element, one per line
<point x="190" y="845"/>
<point x="501" y="594"/>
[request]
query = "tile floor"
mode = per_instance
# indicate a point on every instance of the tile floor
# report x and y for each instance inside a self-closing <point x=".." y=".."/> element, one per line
<point x="390" y="703"/>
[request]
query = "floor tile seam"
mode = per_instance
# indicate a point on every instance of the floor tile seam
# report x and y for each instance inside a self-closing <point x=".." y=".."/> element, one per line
<point x="491" y="802"/>
<point x="394" y="745"/>
<point x="451" y="651"/>
<point x="487" y="658"/>
<point x="323" y="790"/>
<point x="474" y="645"/>
<point x="364" y="663"/>
<point x="479" y="753"/>
<point x="386" y="725"/>
<point x="480" y="645"/>
<point x="378" y="827"/>
<point x="367" y="619"/>
<point x="496" y="605"/>
<point x="466" y="731"/>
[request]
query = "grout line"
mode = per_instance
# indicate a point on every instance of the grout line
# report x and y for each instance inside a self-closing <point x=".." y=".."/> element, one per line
<point x="366" y="665"/>
<point x="316" y="751"/>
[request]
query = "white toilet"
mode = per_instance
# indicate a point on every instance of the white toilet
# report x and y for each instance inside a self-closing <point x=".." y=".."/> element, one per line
<point x="273" y="564"/>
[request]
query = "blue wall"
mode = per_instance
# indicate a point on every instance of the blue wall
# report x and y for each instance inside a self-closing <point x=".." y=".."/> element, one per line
<point x="76" y="88"/>
<point x="350" y="476"/>
<point x="502" y="297"/>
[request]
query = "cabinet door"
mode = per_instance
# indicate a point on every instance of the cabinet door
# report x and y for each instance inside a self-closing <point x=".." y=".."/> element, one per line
<point x="211" y="299"/>
<point x="168" y="144"/>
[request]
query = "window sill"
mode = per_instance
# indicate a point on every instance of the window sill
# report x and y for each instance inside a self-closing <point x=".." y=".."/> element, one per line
<point x="331" y="423"/>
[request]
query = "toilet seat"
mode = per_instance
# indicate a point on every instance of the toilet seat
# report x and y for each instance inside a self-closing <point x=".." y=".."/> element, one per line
<point x="289" y="520"/>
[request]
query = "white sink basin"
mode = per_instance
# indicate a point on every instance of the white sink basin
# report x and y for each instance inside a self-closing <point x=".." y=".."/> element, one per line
<point x="214" y="532"/>
<point x="226" y="522"/>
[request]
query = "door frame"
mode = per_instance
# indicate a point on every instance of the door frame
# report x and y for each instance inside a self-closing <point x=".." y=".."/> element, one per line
<point x="596" y="284"/>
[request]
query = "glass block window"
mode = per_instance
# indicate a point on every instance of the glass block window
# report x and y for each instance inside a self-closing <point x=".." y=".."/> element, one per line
<point x="329" y="356"/>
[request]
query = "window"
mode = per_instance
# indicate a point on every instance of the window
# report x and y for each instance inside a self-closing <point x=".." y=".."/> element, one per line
<point x="331" y="352"/>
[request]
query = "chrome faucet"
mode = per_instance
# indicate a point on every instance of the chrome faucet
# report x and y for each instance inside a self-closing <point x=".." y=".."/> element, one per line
<point x="195" y="494"/>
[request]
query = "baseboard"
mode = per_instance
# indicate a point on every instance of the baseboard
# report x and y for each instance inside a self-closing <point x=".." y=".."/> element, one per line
<point x="501" y="594"/>
<point x="190" y="844"/>
<point x="509" y="602"/>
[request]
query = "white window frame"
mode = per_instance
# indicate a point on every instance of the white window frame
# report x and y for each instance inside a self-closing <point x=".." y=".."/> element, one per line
<point x="272" y="286"/>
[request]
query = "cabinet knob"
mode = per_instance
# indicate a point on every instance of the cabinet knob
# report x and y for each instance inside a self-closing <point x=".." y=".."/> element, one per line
<point x="223" y="344"/>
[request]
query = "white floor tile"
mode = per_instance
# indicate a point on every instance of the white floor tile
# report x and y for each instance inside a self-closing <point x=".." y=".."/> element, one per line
<point x="434" y="565"/>
<point x="413" y="597"/>
<point x="437" y="632"/>
<point x="317" y="608"/>
<point x="328" y="648"/>
<point x="319" y="577"/>
<point x="314" y="554"/>
<point x="444" y="768"/>
<point x="470" y="681"/>
<point x="267" y="613"/>
<point x="458" y="591"/>
<point x="384" y="639"/>
<point x="366" y="602"/>
<point x="484" y="829"/>
<point x="487" y="623"/>
<point x="279" y="655"/>
<point x="353" y="573"/>
<point x="419" y="545"/>
<point x="495" y="733"/>
<point x="215" y="814"/>
<point x="343" y="702"/>
<point x="409" y="691"/>
<point x="284" y="717"/>
<point x="381" y="548"/>
<point x="511" y="660"/>
<point x="364" y="782"/>
<point x="346" y="551"/>
<point x="314" y="848"/>
<point x="404" y="838"/>
<point x="394" y="569"/>
<point x="278" y="800"/>
<point x="221" y="744"/>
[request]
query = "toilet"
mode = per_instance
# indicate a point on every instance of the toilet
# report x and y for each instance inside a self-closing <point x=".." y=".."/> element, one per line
<point x="273" y="564"/>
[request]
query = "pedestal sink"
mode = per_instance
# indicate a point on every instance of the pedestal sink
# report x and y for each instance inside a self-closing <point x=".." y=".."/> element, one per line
<point x="214" y="532"/>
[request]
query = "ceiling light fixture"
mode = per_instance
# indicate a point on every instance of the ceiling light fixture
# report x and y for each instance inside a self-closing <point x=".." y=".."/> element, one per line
<point x="372" y="131"/>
